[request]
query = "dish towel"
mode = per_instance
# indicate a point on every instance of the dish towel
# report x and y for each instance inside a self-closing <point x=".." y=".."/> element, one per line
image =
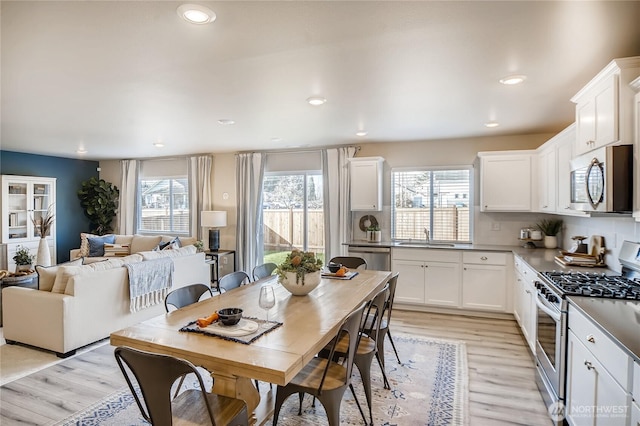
<point x="149" y="282"/>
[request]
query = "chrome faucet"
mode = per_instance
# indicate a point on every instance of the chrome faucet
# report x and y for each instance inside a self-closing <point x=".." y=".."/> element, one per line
<point x="426" y="235"/>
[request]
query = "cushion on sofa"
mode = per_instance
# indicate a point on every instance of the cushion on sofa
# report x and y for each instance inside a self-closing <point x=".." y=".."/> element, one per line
<point x="187" y="241"/>
<point x="107" y="264"/>
<point x="116" y="250"/>
<point x="84" y="243"/>
<point x="168" y="245"/>
<point x="66" y="272"/>
<point x="47" y="274"/>
<point x="124" y="239"/>
<point x="144" y="243"/>
<point x="96" y="244"/>
<point x="182" y="251"/>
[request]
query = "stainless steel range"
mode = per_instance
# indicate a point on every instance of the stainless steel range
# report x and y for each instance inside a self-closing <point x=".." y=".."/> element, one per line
<point x="553" y="288"/>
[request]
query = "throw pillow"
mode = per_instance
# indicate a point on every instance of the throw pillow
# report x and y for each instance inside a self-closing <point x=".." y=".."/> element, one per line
<point x="47" y="274"/>
<point x="84" y="243"/>
<point x="187" y="241"/>
<point x="64" y="274"/>
<point x="117" y="250"/>
<point x="144" y="243"/>
<point x="168" y="245"/>
<point x="96" y="244"/>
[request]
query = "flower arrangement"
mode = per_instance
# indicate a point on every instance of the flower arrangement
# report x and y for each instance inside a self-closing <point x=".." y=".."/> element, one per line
<point x="43" y="224"/>
<point x="199" y="246"/>
<point x="550" y="227"/>
<point x="300" y="262"/>
<point x="23" y="256"/>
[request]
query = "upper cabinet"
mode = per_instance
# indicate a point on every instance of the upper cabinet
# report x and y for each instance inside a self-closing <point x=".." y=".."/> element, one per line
<point x="547" y="179"/>
<point x="366" y="183"/>
<point x="635" y="84"/>
<point x="506" y="181"/>
<point x="604" y="107"/>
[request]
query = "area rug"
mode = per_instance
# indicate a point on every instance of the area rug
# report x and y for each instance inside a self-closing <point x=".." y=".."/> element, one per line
<point x="430" y="387"/>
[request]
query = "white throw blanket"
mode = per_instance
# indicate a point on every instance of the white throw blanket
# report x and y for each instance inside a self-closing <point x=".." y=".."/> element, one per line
<point x="149" y="282"/>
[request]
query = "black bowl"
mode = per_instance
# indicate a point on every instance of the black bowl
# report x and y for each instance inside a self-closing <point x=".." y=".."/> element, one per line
<point x="230" y="316"/>
<point x="333" y="267"/>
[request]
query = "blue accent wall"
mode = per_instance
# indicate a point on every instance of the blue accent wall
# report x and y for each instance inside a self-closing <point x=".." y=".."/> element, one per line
<point x="70" y="218"/>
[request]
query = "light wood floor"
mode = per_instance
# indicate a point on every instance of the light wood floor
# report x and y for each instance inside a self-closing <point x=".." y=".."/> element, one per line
<point x="502" y="390"/>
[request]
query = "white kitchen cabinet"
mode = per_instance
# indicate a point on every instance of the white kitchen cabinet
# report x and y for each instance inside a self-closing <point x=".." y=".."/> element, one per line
<point x="636" y="150"/>
<point x="366" y="183"/>
<point x="23" y="199"/>
<point x="524" y="308"/>
<point x="484" y="281"/>
<point x="506" y="180"/>
<point x="604" y="107"/>
<point x="427" y="277"/>
<point x="635" y="396"/>
<point x="547" y="180"/>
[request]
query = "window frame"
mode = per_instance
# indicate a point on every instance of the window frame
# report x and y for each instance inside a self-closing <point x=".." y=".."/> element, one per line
<point x="139" y="229"/>
<point x="453" y="167"/>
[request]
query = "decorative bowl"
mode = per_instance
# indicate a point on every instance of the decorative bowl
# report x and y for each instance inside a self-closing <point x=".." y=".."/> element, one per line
<point x="301" y="286"/>
<point x="333" y="267"/>
<point x="230" y="316"/>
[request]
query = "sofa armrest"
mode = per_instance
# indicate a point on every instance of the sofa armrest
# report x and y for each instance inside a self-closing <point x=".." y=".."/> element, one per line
<point x="74" y="254"/>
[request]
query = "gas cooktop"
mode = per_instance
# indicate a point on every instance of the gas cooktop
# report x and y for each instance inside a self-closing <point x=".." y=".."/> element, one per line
<point x="595" y="284"/>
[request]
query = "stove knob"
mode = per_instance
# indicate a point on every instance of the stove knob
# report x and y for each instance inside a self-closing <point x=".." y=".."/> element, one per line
<point x="552" y="298"/>
<point x="543" y="290"/>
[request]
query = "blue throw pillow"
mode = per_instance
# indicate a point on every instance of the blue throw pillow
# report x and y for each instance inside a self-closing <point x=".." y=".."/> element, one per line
<point x="96" y="244"/>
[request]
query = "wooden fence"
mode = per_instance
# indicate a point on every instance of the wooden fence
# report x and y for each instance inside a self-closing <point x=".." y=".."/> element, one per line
<point x="283" y="229"/>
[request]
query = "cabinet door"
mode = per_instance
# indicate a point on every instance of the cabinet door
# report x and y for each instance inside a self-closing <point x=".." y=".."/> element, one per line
<point x="442" y="284"/>
<point x="636" y="162"/>
<point x="547" y="179"/>
<point x="585" y="121"/>
<point x="505" y="183"/>
<point x="606" y="103"/>
<point x="529" y="315"/>
<point x="484" y="287"/>
<point x="366" y="180"/>
<point x="518" y="300"/>
<point x="410" y="287"/>
<point x="564" y="177"/>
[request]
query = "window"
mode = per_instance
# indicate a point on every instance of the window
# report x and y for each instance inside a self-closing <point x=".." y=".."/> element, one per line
<point x="292" y="214"/>
<point x="163" y="201"/>
<point x="437" y="200"/>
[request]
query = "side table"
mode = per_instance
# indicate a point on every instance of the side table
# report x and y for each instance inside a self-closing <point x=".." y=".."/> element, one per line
<point x="29" y="281"/>
<point x="222" y="263"/>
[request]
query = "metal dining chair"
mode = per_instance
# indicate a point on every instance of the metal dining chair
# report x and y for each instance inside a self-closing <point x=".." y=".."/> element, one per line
<point x="324" y="378"/>
<point x="263" y="271"/>
<point x="351" y="262"/>
<point x="185" y="296"/>
<point x="385" y="320"/>
<point x="233" y="280"/>
<point x="155" y="375"/>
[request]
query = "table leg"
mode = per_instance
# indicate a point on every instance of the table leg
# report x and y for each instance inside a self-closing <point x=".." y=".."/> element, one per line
<point x="240" y="388"/>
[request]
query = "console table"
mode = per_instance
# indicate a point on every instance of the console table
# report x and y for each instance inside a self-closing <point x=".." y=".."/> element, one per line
<point x="222" y="262"/>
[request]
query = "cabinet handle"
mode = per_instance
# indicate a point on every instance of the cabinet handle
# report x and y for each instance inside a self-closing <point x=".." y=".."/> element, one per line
<point x="486" y="206"/>
<point x="589" y="365"/>
<point x="483" y="258"/>
<point x="528" y="291"/>
<point x="591" y="339"/>
<point x="544" y="207"/>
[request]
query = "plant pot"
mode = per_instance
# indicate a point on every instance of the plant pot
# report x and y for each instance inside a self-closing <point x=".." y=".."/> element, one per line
<point x="303" y="286"/>
<point x="20" y="268"/>
<point x="550" y="241"/>
<point x="44" y="256"/>
<point x="374" y="236"/>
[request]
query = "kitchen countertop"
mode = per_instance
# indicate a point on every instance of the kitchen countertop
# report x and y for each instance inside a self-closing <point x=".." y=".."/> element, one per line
<point x="439" y="246"/>
<point x="619" y="319"/>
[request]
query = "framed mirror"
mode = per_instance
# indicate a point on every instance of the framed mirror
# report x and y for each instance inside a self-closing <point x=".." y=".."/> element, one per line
<point x="595" y="183"/>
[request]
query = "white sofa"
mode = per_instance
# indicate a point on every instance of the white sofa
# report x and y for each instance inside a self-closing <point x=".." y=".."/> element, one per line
<point x="93" y="304"/>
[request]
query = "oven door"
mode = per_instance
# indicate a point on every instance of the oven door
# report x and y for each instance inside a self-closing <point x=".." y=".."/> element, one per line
<point x="550" y="345"/>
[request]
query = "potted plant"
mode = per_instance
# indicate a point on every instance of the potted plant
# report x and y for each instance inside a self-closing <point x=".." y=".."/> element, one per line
<point x="550" y="228"/>
<point x="23" y="259"/>
<point x="43" y="226"/>
<point x="300" y="272"/>
<point x="99" y="199"/>
<point x="374" y="234"/>
<point x="199" y="245"/>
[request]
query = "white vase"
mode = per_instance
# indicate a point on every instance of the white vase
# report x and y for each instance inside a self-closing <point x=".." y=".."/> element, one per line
<point x="44" y="256"/>
<point x="300" y="287"/>
<point x="550" y="241"/>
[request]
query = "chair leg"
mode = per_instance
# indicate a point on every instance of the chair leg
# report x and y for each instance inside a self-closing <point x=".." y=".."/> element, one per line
<point x="281" y="396"/>
<point x="331" y="403"/>
<point x="180" y="385"/>
<point x="364" y="366"/>
<point x="393" y="345"/>
<point x="355" y="397"/>
<point x="384" y="374"/>
<point x="257" y="385"/>
<point x="300" y="397"/>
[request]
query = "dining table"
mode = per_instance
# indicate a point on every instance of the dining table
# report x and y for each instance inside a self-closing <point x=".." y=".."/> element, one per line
<point x="308" y="323"/>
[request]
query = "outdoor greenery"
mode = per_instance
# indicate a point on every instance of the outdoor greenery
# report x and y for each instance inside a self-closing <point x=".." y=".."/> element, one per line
<point x="99" y="199"/>
<point x="300" y="262"/>
<point x="23" y="256"/>
<point x="550" y="227"/>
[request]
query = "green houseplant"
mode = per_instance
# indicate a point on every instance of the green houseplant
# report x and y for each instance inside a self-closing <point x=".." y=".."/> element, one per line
<point x="299" y="272"/>
<point x="99" y="199"/>
<point x="23" y="258"/>
<point x="550" y="228"/>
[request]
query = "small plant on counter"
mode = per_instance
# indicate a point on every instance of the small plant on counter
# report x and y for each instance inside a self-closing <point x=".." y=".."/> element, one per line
<point x="300" y="262"/>
<point x="23" y="256"/>
<point x="375" y="227"/>
<point x="550" y="227"/>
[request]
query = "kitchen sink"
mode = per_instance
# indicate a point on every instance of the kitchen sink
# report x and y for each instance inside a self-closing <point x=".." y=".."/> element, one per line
<point x="424" y="244"/>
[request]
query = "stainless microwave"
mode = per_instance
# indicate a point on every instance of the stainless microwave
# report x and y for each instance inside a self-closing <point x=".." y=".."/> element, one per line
<point x="602" y="180"/>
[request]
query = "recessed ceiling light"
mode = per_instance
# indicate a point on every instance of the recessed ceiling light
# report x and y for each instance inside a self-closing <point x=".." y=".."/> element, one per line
<point x="226" y="122"/>
<point x="158" y="145"/>
<point x="276" y="139"/>
<point x="196" y="14"/>
<point x="361" y="133"/>
<point x="316" y="100"/>
<point x="81" y="151"/>
<point x="491" y="124"/>
<point x="510" y="80"/>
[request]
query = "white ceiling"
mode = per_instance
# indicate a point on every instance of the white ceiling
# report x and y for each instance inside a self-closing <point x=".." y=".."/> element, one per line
<point x="114" y="77"/>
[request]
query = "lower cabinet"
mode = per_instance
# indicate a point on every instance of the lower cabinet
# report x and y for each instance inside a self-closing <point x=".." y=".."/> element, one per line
<point x="484" y="281"/>
<point x="524" y="301"/>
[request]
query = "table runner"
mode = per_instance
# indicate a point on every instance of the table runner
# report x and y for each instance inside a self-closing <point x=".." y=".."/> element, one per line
<point x="192" y="327"/>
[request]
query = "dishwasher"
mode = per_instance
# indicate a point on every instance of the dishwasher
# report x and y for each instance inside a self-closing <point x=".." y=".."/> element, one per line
<point x="378" y="258"/>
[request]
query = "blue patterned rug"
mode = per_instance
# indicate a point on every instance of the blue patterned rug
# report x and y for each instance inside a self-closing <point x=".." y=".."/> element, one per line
<point x="430" y="387"/>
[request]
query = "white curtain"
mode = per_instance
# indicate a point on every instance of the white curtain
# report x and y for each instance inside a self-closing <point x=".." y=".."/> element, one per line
<point x="128" y="202"/>
<point x="200" y="191"/>
<point x="249" y="233"/>
<point x="337" y="213"/>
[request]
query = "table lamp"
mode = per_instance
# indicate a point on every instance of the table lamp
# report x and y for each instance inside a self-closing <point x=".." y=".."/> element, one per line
<point x="213" y="219"/>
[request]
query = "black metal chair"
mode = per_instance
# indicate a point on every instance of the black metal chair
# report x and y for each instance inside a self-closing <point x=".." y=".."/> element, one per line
<point x="185" y="296"/>
<point x="233" y="280"/>
<point x="351" y="262"/>
<point x="155" y="374"/>
<point x="324" y="378"/>
<point x="263" y="271"/>
<point x="386" y="319"/>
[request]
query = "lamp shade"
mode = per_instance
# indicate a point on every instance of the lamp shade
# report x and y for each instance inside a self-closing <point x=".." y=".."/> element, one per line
<point x="213" y="219"/>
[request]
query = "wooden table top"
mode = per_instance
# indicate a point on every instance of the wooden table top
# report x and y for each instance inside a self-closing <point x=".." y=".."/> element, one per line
<point x="309" y="323"/>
